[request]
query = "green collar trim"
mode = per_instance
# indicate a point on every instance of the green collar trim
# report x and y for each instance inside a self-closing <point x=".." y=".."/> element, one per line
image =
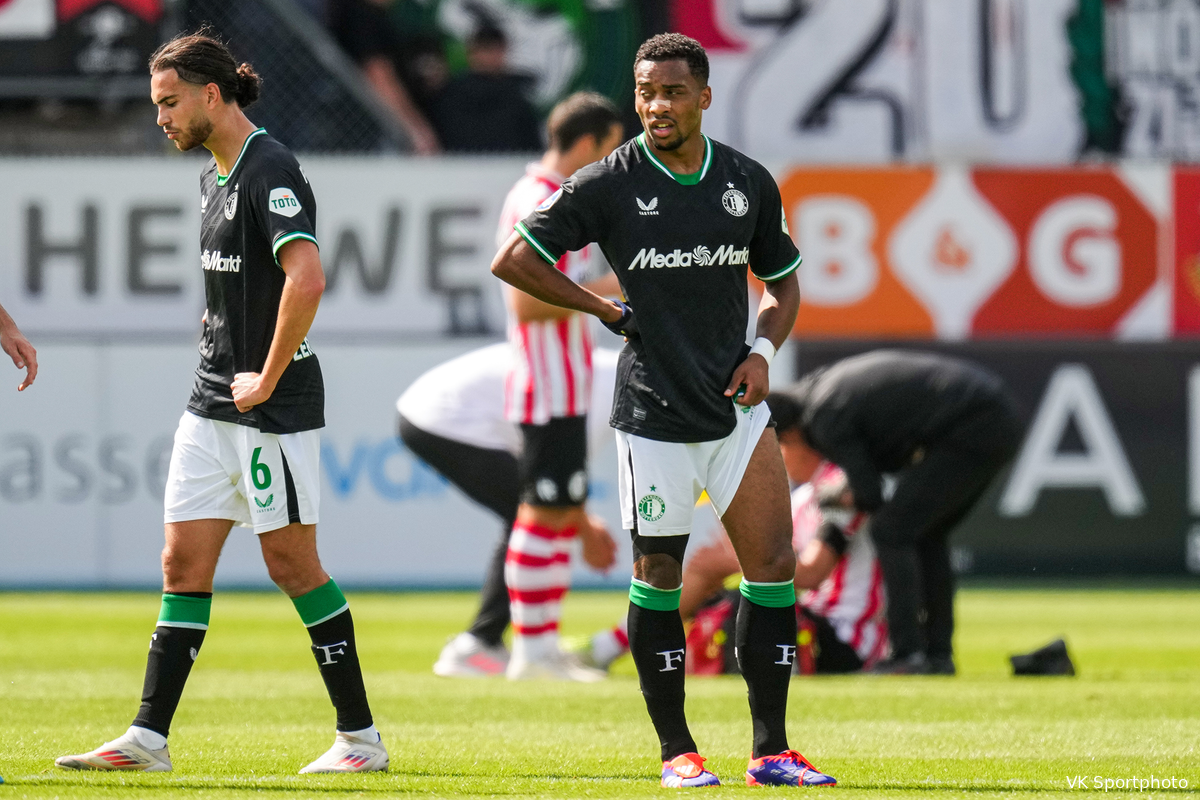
<point x="223" y="179"/>
<point x="685" y="180"/>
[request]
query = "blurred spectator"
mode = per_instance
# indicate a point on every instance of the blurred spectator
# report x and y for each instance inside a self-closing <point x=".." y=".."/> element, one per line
<point x="363" y="30"/>
<point x="421" y="55"/>
<point x="487" y="109"/>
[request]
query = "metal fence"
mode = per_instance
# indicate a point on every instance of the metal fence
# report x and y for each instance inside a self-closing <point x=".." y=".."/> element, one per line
<point x="313" y="98"/>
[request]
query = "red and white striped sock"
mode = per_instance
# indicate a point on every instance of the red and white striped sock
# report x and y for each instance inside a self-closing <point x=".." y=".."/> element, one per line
<point x="609" y="645"/>
<point x="538" y="573"/>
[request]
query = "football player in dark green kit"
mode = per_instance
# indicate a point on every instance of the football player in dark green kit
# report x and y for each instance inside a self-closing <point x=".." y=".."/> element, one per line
<point x="247" y="448"/>
<point x="681" y="218"/>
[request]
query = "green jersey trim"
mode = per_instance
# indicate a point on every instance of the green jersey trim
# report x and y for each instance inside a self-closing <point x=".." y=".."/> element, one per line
<point x="685" y="180"/>
<point x="287" y="237"/>
<point x="783" y="273"/>
<point x="223" y="179"/>
<point x="534" y="243"/>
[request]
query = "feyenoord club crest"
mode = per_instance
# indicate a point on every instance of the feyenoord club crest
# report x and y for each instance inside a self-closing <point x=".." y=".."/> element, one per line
<point x="231" y="204"/>
<point x="651" y="508"/>
<point x="735" y="202"/>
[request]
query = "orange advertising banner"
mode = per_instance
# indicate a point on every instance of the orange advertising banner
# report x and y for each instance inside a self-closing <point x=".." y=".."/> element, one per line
<point x="959" y="253"/>
<point x="1187" y="251"/>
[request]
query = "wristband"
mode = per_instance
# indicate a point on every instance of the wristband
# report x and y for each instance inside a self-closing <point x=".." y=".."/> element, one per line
<point x="625" y="326"/>
<point x="762" y="345"/>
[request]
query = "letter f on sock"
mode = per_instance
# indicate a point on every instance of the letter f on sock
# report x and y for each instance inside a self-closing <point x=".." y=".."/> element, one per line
<point x="671" y="657"/>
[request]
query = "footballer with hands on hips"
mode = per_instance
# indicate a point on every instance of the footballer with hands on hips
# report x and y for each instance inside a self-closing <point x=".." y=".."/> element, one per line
<point x="248" y="445"/>
<point x="681" y="217"/>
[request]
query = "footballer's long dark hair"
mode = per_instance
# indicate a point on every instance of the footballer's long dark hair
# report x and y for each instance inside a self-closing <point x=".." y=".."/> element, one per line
<point x="201" y="58"/>
<point x="673" y="46"/>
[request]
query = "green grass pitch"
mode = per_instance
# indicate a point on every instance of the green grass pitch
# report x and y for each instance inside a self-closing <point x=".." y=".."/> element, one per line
<point x="255" y="710"/>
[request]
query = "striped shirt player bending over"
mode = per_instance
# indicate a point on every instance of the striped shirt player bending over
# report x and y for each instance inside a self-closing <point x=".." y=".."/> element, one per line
<point x="247" y="448"/>
<point x="547" y="394"/>
<point x="681" y="218"/>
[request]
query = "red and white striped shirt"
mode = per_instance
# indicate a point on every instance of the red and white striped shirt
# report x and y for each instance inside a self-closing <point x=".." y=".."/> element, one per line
<point x="852" y="597"/>
<point x="552" y="359"/>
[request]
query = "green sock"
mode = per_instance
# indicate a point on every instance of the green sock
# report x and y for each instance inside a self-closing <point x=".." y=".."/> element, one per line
<point x="772" y="595"/>
<point x="322" y="603"/>
<point x="651" y="597"/>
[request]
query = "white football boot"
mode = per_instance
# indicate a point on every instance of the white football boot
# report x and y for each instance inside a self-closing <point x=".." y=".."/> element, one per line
<point x="465" y="656"/>
<point x="554" y="666"/>
<point x="351" y="755"/>
<point x="124" y="752"/>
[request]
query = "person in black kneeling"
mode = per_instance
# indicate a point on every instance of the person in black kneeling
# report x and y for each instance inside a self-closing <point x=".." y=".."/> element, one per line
<point x="944" y="427"/>
<point x="486" y="109"/>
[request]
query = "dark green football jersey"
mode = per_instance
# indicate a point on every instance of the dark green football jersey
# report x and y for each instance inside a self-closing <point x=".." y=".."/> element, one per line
<point x="246" y="216"/>
<point x="681" y="246"/>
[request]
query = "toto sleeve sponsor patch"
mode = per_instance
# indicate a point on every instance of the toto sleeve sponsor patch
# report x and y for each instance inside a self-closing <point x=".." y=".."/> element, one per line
<point x="283" y="201"/>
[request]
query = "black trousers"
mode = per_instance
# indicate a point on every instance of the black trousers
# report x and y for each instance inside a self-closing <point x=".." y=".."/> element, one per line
<point x="489" y="477"/>
<point x="912" y="530"/>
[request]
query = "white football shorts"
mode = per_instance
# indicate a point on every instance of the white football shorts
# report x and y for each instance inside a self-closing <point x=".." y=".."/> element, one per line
<point x="659" y="483"/>
<point x="221" y="470"/>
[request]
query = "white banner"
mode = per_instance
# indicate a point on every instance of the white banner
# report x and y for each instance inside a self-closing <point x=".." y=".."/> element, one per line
<point x="873" y="81"/>
<point x="84" y="454"/>
<point x="111" y="245"/>
<point x="26" y="19"/>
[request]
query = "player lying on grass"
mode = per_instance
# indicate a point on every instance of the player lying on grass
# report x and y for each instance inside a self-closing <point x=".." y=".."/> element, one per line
<point x="841" y="616"/>
<point x="452" y="418"/>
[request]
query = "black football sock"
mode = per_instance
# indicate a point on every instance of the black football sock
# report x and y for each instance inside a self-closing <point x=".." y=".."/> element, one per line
<point x="182" y="623"/>
<point x="658" y="645"/>
<point x="326" y="614"/>
<point x="494" y="615"/>
<point x="766" y="650"/>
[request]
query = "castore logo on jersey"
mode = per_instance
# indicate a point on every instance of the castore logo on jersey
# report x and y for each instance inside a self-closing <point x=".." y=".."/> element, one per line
<point x="215" y="262"/>
<point x="648" y="209"/>
<point x="700" y="256"/>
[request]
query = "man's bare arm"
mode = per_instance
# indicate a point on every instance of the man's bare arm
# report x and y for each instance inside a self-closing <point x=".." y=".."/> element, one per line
<point x="527" y="308"/>
<point x="13" y="342"/>
<point x="815" y="564"/>
<point x="776" y="315"/>
<point x="302" y="290"/>
<point x="777" y="310"/>
<point x="519" y="265"/>
<point x="380" y="73"/>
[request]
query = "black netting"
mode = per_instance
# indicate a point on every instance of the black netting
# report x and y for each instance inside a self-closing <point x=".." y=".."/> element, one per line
<point x="303" y="104"/>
